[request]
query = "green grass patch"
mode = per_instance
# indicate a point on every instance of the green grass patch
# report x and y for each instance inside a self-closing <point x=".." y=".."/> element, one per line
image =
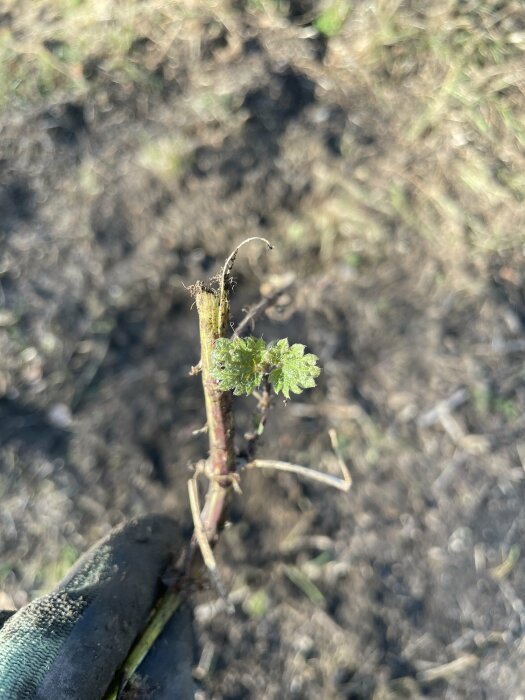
<point x="331" y="21"/>
<point x="257" y="604"/>
<point x="306" y="585"/>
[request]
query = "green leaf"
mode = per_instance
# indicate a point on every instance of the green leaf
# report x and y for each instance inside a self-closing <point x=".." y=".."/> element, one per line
<point x="293" y="370"/>
<point x="238" y="364"/>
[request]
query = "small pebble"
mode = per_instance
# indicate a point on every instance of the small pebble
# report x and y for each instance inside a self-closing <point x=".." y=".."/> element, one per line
<point x="60" y="416"/>
<point x="7" y="318"/>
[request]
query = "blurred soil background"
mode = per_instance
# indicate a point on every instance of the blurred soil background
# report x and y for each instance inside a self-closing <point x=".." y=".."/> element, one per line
<point x="380" y="145"/>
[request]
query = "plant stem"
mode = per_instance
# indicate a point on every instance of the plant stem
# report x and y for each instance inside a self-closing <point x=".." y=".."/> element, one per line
<point x="213" y="312"/>
<point x="213" y="322"/>
<point x="164" y="610"/>
<point x="260" y="418"/>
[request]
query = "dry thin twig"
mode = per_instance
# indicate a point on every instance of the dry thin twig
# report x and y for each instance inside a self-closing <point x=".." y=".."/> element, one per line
<point x="226" y="270"/>
<point x="264" y="402"/>
<point x="443" y="409"/>
<point x="204" y="545"/>
<point x="448" y="670"/>
<point x="340" y="459"/>
<point x="313" y="474"/>
<point x="260" y="307"/>
<point x="343" y="484"/>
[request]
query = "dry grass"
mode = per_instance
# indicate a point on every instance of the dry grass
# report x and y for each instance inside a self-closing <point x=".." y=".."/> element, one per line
<point x="48" y="46"/>
<point x="438" y="94"/>
<point x="434" y="93"/>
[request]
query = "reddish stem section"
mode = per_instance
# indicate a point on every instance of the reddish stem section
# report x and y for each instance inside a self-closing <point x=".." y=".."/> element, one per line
<point x="219" y="414"/>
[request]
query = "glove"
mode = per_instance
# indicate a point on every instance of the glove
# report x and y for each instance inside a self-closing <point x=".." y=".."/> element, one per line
<point x="68" y="645"/>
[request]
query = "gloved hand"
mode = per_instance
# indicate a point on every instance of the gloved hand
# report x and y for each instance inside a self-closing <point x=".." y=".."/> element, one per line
<point x="69" y="644"/>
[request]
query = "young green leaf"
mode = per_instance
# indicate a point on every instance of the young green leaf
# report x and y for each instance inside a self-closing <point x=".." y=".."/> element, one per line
<point x="238" y="364"/>
<point x="292" y="369"/>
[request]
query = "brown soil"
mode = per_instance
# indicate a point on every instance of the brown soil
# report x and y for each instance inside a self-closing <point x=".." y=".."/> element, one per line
<point x="368" y="595"/>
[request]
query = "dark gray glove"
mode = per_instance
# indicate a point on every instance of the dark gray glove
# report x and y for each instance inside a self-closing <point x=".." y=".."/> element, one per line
<point x="68" y="644"/>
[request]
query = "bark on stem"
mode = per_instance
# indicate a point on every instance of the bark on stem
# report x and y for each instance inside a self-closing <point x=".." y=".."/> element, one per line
<point x="214" y="310"/>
